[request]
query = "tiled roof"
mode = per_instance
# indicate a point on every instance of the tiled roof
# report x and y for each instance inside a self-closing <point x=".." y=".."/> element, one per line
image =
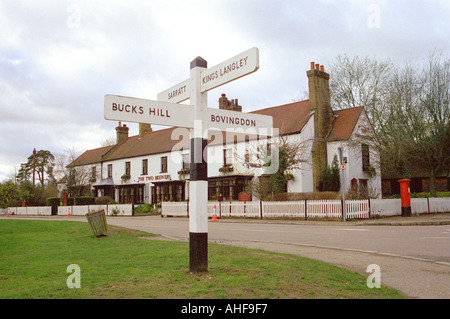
<point x="344" y="123"/>
<point x="91" y="156"/>
<point x="288" y="118"/>
<point x="154" y="142"/>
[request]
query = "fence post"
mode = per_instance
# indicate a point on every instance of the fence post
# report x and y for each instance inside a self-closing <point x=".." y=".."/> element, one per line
<point x="428" y="204"/>
<point x="370" y="207"/>
<point x="306" y="209"/>
<point x="260" y="209"/>
<point x="187" y="208"/>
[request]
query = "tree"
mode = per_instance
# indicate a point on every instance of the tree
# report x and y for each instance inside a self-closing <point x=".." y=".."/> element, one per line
<point x="356" y="81"/>
<point x="426" y="119"/>
<point x="330" y="179"/>
<point x="74" y="176"/>
<point x="8" y="192"/>
<point x="41" y="163"/>
<point x="291" y="156"/>
<point x="408" y="108"/>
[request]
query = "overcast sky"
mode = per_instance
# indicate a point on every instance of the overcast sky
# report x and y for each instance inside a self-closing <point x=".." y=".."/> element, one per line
<point x="59" y="58"/>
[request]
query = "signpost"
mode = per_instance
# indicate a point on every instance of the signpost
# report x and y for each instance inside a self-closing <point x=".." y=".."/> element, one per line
<point x="343" y="166"/>
<point x="198" y="118"/>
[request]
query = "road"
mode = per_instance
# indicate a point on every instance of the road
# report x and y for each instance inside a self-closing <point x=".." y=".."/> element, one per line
<point x="412" y="259"/>
<point x="420" y="242"/>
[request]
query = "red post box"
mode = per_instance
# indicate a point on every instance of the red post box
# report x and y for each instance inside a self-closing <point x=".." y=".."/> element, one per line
<point x="405" y="197"/>
<point x="64" y="198"/>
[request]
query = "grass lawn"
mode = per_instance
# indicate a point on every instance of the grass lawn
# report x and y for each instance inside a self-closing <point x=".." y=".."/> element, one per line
<point x="34" y="256"/>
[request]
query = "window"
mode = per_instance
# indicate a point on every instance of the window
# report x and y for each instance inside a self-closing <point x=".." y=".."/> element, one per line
<point x="94" y="174"/>
<point x="144" y="166"/>
<point x="164" y="164"/>
<point x="186" y="162"/>
<point x="127" y="168"/>
<point x="227" y="156"/>
<point x="109" y="170"/>
<point x="365" y="157"/>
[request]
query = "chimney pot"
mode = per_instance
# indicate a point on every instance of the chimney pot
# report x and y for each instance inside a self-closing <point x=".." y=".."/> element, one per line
<point x="322" y="68"/>
<point x="312" y="65"/>
<point x="317" y="66"/>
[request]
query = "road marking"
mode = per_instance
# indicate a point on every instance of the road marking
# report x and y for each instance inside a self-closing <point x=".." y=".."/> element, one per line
<point x="356" y="229"/>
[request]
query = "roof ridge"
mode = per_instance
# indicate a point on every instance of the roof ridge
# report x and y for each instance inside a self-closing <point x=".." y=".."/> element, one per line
<point x="272" y="107"/>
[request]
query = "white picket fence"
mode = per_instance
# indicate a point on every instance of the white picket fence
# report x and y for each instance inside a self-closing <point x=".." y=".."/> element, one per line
<point x="285" y="209"/>
<point x="113" y="209"/>
<point x="355" y="209"/>
<point x="120" y="209"/>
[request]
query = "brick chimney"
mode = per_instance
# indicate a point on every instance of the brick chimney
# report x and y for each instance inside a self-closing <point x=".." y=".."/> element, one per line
<point x="319" y="99"/>
<point x="225" y="104"/>
<point x="121" y="133"/>
<point x="144" y="128"/>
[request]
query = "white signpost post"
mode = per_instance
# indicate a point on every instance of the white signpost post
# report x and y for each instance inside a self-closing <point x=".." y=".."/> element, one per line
<point x="198" y="118"/>
<point x="343" y="166"/>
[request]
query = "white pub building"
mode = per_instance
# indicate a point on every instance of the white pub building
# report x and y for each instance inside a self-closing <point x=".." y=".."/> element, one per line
<point x="153" y="166"/>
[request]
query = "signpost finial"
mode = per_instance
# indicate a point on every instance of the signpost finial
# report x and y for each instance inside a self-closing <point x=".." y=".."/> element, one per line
<point x="199" y="61"/>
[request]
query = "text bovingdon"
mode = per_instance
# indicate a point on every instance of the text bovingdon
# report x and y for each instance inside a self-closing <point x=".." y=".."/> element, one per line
<point x="233" y="120"/>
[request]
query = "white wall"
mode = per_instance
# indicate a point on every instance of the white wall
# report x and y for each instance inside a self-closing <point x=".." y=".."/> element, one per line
<point x="352" y="149"/>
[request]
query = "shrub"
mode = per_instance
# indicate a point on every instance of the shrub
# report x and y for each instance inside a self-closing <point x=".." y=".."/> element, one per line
<point x="53" y="201"/>
<point x="104" y="200"/>
<point x="330" y="178"/>
<point x="145" y="208"/>
<point x="84" y="200"/>
<point x="70" y="201"/>
<point x="305" y="196"/>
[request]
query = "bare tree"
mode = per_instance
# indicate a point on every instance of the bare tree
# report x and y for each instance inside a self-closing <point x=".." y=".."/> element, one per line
<point x="74" y="176"/>
<point x="291" y="155"/>
<point x="426" y="118"/>
<point x="361" y="82"/>
<point x="407" y="106"/>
